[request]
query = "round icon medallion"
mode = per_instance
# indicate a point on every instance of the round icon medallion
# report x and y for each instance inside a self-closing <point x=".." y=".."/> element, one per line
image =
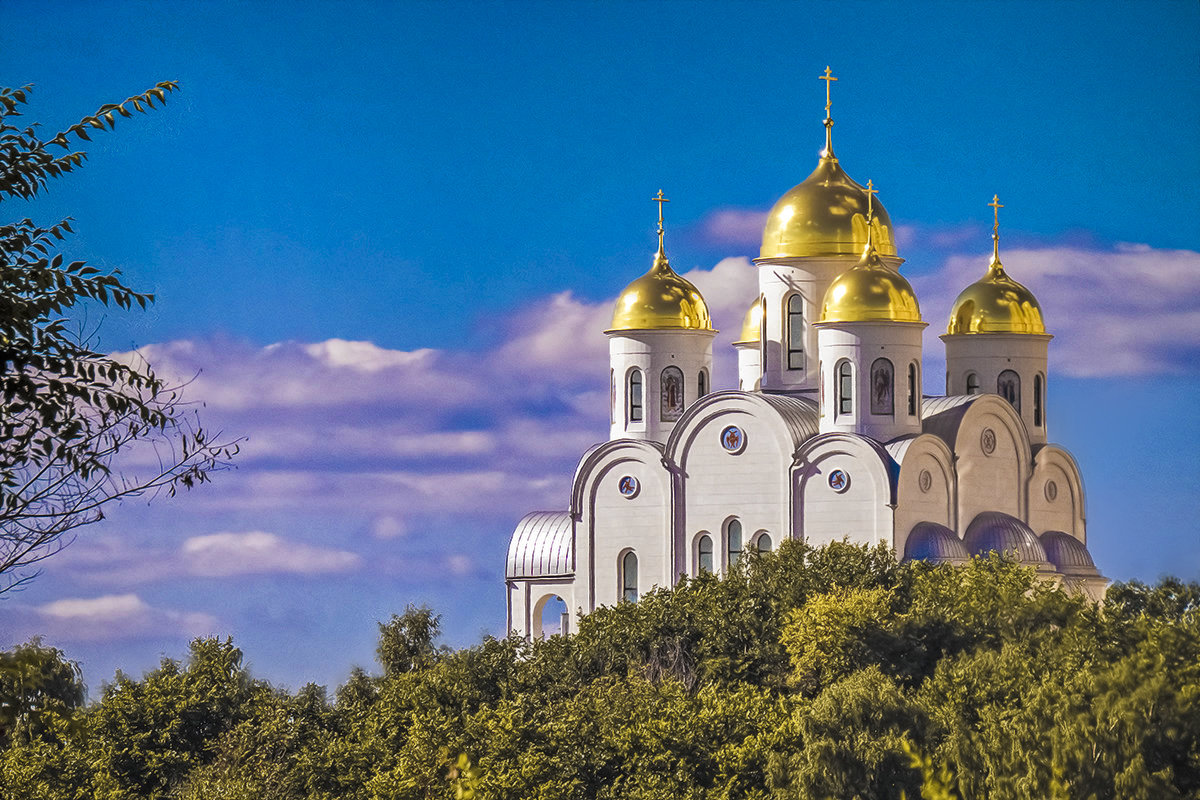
<point x="839" y="481"/>
<point x="628" y="486"/>
<point x="988" y="441"/>
<point x="925" y="480"/>
<point x="732" y="439"/>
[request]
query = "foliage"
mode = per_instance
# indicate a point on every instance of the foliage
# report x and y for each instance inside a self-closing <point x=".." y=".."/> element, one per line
<point x="803" y="674"/>
<point x="67" y="411"/>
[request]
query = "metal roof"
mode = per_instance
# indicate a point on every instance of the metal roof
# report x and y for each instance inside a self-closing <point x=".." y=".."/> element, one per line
<point x="930" y="541"/>
<point x="542" y="546"/>
<point x="799" y="414"/>
<point x="996" y="531"/>
<point x="1069" y="555"/>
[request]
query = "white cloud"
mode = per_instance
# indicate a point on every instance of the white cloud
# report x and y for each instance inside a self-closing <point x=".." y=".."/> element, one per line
<point x="735" y="226"/>
<point x="103" y="618"/>
<point x="388" y="526"/>
<point x="225" y="554"/>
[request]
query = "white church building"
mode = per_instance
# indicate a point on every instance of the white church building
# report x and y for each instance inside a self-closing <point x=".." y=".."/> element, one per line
<point x="828" y="437"/>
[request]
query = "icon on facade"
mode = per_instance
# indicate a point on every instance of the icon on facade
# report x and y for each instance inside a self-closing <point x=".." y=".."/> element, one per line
<point x="988" y="441"/>
<point x="732" y="439"/>
<point x="839" y="481"/>
<point x="628" y="486"/>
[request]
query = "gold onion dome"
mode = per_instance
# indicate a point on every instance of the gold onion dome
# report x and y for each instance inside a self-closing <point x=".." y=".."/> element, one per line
<point x="752" y="324"/>
<point x="661" y="298"/>
<point x="996" y="303"/>
<point x="870" y="291"/>
<point x="826" y="214"/>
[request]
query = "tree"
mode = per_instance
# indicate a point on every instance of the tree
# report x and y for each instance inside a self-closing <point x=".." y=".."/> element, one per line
<point x="68" y="412"/>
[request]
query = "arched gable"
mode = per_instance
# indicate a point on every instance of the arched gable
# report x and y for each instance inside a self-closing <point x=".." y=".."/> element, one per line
<point x="621" y="501"/>
<point x="855" y="505"/>
<point x="993" y="457"/>
<point x="1056" y="500"/>
<point x="926" y="489"/>
<point x="732" y="454"/>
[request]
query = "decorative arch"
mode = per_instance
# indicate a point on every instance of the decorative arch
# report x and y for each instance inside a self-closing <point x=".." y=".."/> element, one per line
<point x="1008" y="386"/>
<point x="537" y="630"/>
<point x="703" y="554"/>
<point x="1064" y="508"/>
<point x="734" y="537"/>
<point x="628" y="575"/>
<point x="926" y="488"/>
<point x="858" y="507"/>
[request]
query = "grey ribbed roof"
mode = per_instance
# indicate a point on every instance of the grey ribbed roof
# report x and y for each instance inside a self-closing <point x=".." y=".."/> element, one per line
<point x="936" y="543"/>
<point x="941" y="416"/>
<point x="799" y="414"/>
<point x="1004" y="534"/>
<point x="1068" y="555"/>
<point x="542" y="546"/>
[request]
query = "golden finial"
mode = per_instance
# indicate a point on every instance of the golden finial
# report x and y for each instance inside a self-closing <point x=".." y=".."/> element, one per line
<point x="871" y="192"/>
<point x="658" y="198"/>
<point x="829" y="79"/>
<point x="996" y="206"/>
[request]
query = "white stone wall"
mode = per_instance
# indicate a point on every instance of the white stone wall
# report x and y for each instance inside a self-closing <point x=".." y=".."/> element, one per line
<point x="861" y="343"/>
<point x="611" y="523"/>
<point x="926" y="489"/>
<point x="996" y="480"/>
<point x="861" y="511"/>
<point x="751" y="485"/>
<point x="989" y="354"/>
<point x="652" y="352"/>
<point x="527" y="597"/>
<point x="1056" y="494"/>
<point x="749" y="357"/>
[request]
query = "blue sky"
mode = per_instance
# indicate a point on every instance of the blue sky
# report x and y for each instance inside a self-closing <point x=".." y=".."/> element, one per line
<point x="387" y="235"/>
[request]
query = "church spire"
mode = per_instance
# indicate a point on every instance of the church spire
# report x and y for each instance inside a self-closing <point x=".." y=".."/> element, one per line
<point x="661" y="255"/>
<point x="996" y="206"/>
<point x="829" y="79"/>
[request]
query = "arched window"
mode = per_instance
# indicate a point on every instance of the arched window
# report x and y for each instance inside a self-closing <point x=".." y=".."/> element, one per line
<point x="704" y="554"/>
<point x="972" y="383"/>
<point x="1008" y="386"/>
<point x="913" y="383"/>
<point x="629" y="577"/>
<point x="1038" y="390"/>
<point x="671" y="394"/>
<point x="795" y="332"/>
<point x="845" y="388"/>
<point x="635" y="396"/>
<point x="764" y="543"/>
<point x="701" y="384"/>
<point x="883" y="385"/>
<point x="733" y="542"/>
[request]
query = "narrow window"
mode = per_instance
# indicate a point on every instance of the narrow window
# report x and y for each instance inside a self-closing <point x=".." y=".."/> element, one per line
<point x="635" y="396"/>
<point x="701" y="384"/>
<point x="883" y="384"/>
<point x="795" y="332"/>
<point x="972" y="383"/>
<point x="912" y="389"/>
<point x="671" y="396"/>
<point x="1008" y="386"/>
<point x="845" y="388"/>
<point x="764" y="543"/>
<point x="704" y="554"/>
<point x="733" y="541"/>
<point x="629" y="577"/>
<point x="1037" y="400"/>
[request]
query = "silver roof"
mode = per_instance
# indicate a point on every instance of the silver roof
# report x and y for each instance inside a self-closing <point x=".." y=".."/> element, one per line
<point x="542" y="546"/>
<point x="1005" y="534"/>
<point x="1069" y="555"/>
<point x="930" y="541"/>
<point x="941" y="416"/>
<point x="799" y="414"/>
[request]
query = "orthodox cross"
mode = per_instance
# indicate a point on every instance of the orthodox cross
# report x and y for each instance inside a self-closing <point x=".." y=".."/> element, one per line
<point x="996" y="206"/>
<point x="871" y="192"/>
<point x="660" y="200"/>
<point x="829" y="79"/>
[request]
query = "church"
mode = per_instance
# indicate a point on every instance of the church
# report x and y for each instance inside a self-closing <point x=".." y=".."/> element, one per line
<point x="828" y="437"/>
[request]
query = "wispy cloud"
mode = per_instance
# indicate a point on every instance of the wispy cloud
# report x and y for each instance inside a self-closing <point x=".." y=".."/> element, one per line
<point x="102" y="618"/>
<point x="253" y="552"/>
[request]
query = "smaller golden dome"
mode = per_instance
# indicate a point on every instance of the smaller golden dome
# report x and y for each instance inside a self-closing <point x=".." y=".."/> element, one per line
<point x="752" y="324"/>
<point x="996" y="303"/>
<point x="661" y="299"/>
<point x="870" y="291"/>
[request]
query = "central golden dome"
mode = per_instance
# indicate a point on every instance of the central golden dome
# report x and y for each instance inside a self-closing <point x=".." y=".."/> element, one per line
<point x="870" y="291"/>
<point x="825" y="215"/>
<point x="661" y="299"/>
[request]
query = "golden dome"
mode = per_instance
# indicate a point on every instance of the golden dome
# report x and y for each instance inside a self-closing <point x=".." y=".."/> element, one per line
<point x="661" y="299"/>
<point x="752" y="324"/>
<point x="996" y="303"/>
<point x="825" y="215"/>
<point x="870" y="291"/>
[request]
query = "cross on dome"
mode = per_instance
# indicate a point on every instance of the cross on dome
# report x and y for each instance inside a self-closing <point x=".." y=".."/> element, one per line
<point x="658" y="198"/>
<point x="829" y="79"/>
<point x="996" y="205"/>
<point x="871" y="192"/>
